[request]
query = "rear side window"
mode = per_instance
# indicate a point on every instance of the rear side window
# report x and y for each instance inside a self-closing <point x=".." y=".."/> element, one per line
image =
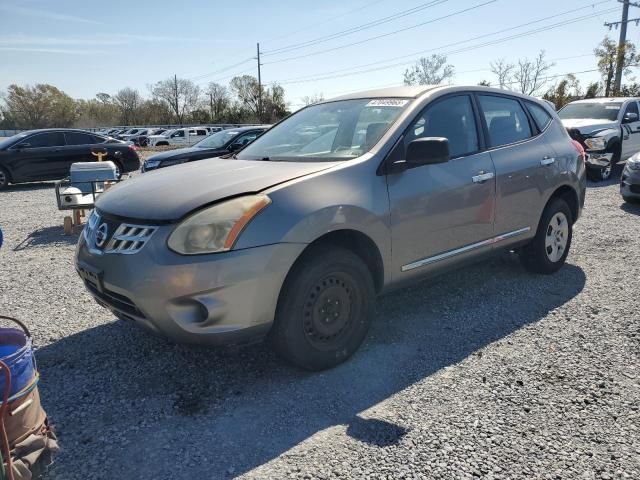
<point x="505" y="119"/>
<point x="540" y="115"/>
<point x="451" y="118"/>
<point x="52" y="139"/>
<point x="79" y="138"/>
<point x="201" y="132"/>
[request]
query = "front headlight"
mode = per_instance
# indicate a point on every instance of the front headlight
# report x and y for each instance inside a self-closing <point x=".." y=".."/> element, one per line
<point x="596" y="143"/>
<point x="151" y="163"/>
<point x="634" y="162"/>
<point x="216" y="229"/>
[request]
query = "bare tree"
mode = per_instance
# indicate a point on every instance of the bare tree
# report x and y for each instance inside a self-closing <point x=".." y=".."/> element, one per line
<point x="127" y="100"/>
<point x="219" y="100"/>
<point x="432" y="70"/>
<point x="180" y="94"/>
<point x="530" y="75"/>
<point x="503" y="71"/>
<point x="607" y="55"/>
<point x="311" y="99"/>
<point x="247" y="90"/>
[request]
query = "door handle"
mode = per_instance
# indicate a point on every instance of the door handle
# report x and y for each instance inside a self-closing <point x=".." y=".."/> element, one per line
<point x="547" y="161"/>
<point x="482" y="177"/>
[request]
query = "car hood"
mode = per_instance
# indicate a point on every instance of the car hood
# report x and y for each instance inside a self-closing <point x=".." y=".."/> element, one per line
<point x="169" y="194"/>
<point x="588" y="126"/>
<point x="188" y="153"/>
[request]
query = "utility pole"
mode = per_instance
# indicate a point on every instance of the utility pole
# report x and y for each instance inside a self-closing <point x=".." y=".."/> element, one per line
<point x="617" y="82"/>
<point x="259" y="85"/>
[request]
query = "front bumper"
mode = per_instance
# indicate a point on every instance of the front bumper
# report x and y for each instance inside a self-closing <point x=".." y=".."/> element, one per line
<point x="630" y="183"/>
<point x="216" y="299"/>
<point x="598" y="159"/>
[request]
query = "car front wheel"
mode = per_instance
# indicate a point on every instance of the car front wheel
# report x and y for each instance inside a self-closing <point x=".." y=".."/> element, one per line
<point x="4" y="178"/>
<point x="548" y="250"/>
<point x="324" y="310"/>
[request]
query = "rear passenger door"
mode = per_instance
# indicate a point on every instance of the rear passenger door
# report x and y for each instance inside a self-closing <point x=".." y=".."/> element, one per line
<point x="78" y="148"/>
<point x="524" y="163"/>
<point x="442" y="213"/>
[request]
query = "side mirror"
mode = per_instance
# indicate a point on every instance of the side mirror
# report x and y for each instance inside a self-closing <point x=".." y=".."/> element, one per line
<point x="630" y="117"/>
<point x="427" y="151"/>
<point x="234" y="146"/>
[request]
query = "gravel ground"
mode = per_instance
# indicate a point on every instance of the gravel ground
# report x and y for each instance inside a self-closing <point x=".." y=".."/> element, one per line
<point x="488" y="372"/>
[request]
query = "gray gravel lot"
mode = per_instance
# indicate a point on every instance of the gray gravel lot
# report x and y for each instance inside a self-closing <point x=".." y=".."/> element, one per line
<point x="487" y="372"/>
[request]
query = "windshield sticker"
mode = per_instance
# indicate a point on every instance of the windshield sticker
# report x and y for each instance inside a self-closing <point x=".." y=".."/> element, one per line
<point x="387" y="102"/>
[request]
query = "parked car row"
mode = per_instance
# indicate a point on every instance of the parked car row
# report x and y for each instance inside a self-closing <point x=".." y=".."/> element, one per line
<point x="141" y="136"/>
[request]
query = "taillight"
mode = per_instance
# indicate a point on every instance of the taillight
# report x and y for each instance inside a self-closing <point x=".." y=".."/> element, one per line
<point x="579" y="149"/>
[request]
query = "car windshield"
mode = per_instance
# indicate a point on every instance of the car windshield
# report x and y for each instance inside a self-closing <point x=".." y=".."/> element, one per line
<point x="332" y="131"/>
<point x="166" y="133"/>
<point x="217" y="140"/>
<point x="604" y="111"/>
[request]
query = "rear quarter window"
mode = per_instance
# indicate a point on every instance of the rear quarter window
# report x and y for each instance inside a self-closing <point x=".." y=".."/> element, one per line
<point x="540" y="115"/>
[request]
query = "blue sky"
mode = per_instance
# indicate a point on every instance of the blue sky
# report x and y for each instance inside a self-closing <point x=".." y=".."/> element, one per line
<point x="89" y="46"/>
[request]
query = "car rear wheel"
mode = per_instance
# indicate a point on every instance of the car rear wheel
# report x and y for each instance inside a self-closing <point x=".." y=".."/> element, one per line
<point x="548" y="250"/>
<point x="324" y="310"/>
<point x="4" y="178"/>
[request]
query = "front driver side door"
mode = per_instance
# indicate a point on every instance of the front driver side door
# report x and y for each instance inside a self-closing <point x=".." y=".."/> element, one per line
<point x="630" y="132"/>
<point x="442" y="213"/>
<point x="42" y="158"/>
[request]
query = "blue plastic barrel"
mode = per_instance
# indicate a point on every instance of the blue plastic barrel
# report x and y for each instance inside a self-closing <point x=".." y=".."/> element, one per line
<point x="16" y="351"/>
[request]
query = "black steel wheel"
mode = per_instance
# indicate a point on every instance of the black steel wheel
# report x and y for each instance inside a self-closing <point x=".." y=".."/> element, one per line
<point x="325" y="308"/>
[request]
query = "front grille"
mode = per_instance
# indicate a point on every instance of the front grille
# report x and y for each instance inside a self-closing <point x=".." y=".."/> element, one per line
<point x="106" y="235"/>
<point x="129" y="239"/>
<point x="115" y="300"/>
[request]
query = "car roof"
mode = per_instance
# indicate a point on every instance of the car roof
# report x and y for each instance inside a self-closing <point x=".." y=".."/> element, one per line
<point x="606" y="100"/>
<point x="45" y="130"/>
<point x="420" y="90"/>
<point x="391" y="92"/>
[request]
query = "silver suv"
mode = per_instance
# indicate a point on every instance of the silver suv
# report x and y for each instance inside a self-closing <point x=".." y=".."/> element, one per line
<point x="607" y="128"/>
<point x="293" y="236"/>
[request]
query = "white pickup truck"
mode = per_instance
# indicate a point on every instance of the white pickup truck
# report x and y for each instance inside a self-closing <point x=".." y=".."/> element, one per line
<point x="179" y="137"/>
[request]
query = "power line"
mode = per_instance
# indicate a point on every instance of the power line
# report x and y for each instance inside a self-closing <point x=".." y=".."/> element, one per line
<point x="316" y="24"/>
<point x="366" y="40"/>
<point x="204" y="75"/>
<point x="414" y="54"/>
<point x="355" y="29"/>
<point x="349" y="71"/>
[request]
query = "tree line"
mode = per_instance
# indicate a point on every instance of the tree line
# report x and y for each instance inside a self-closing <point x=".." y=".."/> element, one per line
<point x="170" y="101"/>
<point x="531" y="76"/>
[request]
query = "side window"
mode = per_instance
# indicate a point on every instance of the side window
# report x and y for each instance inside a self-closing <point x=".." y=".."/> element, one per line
<point x="505" y="119"/>
<point x="78" y="138"/>
<point x="53" y="139"/>
<point x="451" y="118"/>
<point x="540" y="115"/>
<point x="201" y="132"/>
<point x="245" y="139"/>
<point x="179" y="133"/>
<point x="98" y="139"/>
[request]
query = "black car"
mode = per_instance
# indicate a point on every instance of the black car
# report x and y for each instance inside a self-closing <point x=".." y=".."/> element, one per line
<point x="215" y="145"/>
<point x="48" y="154"/>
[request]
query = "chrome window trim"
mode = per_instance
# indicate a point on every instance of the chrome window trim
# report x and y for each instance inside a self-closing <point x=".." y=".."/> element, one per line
<point x="466" y="248"/>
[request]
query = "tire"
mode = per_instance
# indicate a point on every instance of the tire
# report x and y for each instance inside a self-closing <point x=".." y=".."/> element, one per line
<point x="629" y="199"/>
<point x="4" y="178"/>
<point x="119" y="170"/>
<point x="548" y="250"/>
<point x="330" y="281"/>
